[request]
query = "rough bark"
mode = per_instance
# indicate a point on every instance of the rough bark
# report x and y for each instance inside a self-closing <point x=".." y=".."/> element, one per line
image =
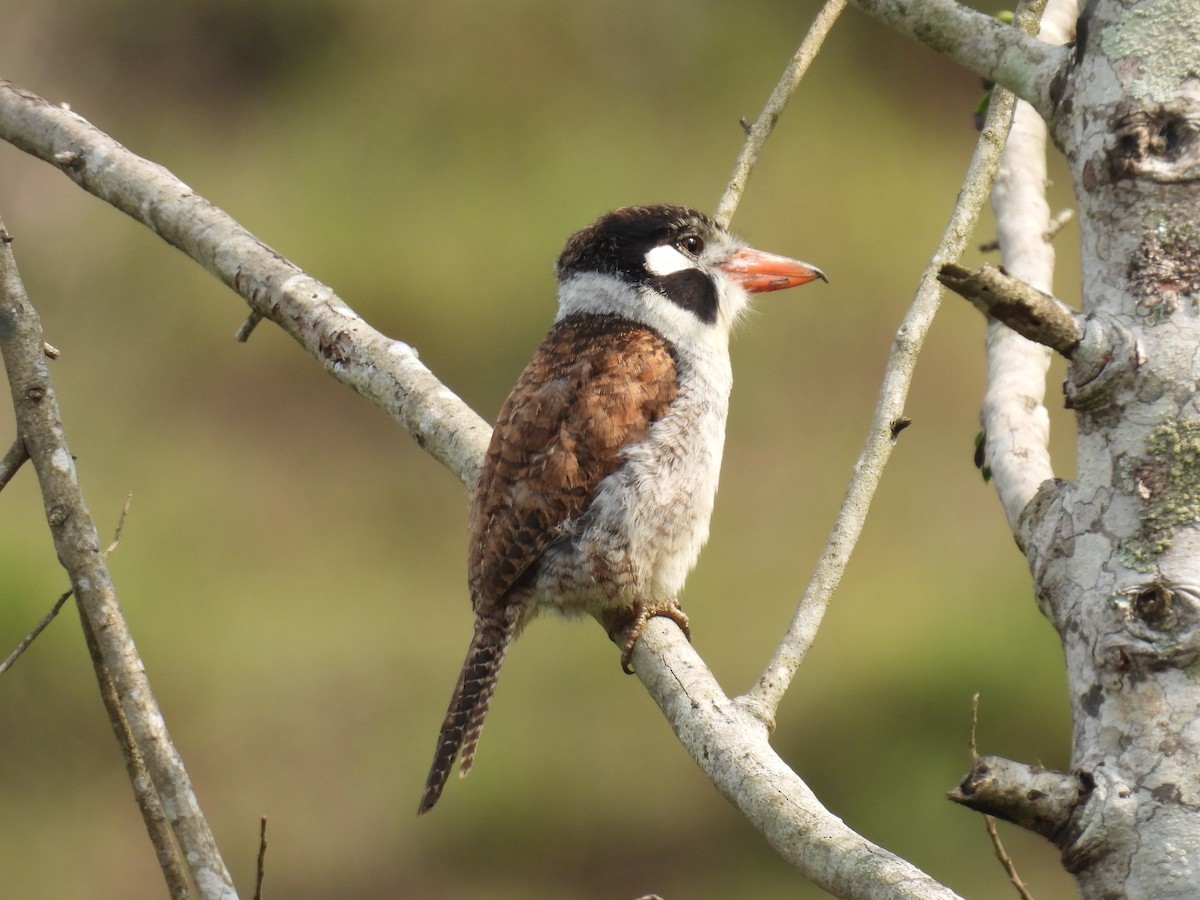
<point x="1115" y="553"/>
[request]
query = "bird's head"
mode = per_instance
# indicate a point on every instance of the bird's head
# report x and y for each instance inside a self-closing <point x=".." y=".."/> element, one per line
<point x="670" y="267"/>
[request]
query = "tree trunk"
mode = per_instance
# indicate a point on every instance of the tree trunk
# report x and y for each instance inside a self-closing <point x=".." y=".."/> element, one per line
<point x="1115" y="553"/>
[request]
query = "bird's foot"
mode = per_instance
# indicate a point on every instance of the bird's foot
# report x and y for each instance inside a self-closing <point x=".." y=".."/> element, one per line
<point x="627" y="632"/>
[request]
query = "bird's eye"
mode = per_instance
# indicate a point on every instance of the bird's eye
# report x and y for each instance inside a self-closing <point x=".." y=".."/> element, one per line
<point x="691" y="244"/>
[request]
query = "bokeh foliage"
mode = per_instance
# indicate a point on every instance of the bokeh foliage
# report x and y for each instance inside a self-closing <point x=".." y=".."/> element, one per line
<point x="293" y="564"/>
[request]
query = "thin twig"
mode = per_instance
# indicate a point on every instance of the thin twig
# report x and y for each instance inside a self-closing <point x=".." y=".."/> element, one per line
<point x="12" y="461"/>
<point x="989" y="822"/>
<point x="1006" y="860"/>
<point x="120" y="526"/>
<point x="32" y="636"/>
<point x="58" y="604"/>
<point x="971" y="745"/>
<point x="261" y="869"/>
<point x="764" y="697"/>
<point x="247" y="327"/>
<point x="757" y="134"/>
<point x="1061" y="220"/>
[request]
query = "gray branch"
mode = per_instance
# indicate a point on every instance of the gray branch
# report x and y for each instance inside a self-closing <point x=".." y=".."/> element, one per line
<point x="888" y="420"/>
<point x="979" y="42"/>
<point x="181" y="836"/>
<point x="385" y="371"/>
<point x="1033" y="314"/>
<point x="1041" y="800"/>
<point x="730" y="743"/>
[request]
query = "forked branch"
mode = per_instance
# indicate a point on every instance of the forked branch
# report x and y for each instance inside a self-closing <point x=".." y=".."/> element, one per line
<point x="889" y="419"/>
<point x="185" y="845"/>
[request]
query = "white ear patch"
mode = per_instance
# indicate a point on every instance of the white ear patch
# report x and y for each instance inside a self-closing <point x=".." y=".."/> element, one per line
<point x="666" y="260"/>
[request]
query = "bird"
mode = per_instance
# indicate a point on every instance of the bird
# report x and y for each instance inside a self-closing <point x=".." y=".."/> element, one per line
<point x="599" y="481"/>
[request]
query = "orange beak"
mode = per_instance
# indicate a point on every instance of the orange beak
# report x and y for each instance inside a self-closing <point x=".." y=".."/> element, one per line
<point x="758" y="272"/>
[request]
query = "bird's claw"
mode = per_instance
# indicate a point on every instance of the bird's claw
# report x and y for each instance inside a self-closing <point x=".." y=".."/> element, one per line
<point x="631" y="630"/>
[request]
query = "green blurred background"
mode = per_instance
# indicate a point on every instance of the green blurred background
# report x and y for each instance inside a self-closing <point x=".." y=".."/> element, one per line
<point x="293" y="566"/>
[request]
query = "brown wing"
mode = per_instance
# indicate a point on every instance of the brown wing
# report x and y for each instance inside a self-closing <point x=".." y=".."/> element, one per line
<point x="596" y="384"/>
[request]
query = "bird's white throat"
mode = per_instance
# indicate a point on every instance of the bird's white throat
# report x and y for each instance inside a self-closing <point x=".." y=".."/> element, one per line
<point x="600" y="294"/>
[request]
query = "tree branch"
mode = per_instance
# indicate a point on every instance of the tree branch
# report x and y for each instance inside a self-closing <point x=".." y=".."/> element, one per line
<point x="137" y="714"/>
<point x="1015" y="422"/>
<point x="732" y="746"/>
<point x="385" y="371"/>
<point x="1033" y="314"/>
<point x="765" y="695"/>
<point x="979" y="42"/>
<point x="758" y="133"/>
<point x="1040" y="800"/>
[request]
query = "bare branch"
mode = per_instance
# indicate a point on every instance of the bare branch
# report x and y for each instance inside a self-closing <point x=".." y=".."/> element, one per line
<point x="1015" y="421"/>
<point x="979" y="42"/>
<point x="1033" y="314"/>
<point x="33" y="634"/>
<point x="1038" y="799"/>
<point x="39" y="424"/>
<point x="757" y="134"/>
<point x="12" y="461"/>
<point x="385" y="371"/>
<point x="765" y="695"/>
<point x="733" y="748"/>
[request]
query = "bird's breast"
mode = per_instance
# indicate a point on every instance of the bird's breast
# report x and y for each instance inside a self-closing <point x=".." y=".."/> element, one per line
<point x="642" y="534"/>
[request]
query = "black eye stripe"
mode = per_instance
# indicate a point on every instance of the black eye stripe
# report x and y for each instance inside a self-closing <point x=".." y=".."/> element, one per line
<point x="692" y="290"/>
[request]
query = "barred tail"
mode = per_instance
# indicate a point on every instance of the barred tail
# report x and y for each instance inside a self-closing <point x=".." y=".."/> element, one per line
<point x="468" y="706"/>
